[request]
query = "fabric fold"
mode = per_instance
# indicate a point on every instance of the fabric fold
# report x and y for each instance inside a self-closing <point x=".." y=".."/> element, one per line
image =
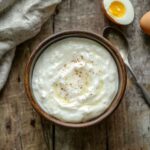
<point x="5" y="65"/>
<point x="22" y="21"/>
<point x="5" y="4"/>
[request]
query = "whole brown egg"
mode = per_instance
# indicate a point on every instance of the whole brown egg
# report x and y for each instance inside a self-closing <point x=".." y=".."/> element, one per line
<point x="145" y="23"/>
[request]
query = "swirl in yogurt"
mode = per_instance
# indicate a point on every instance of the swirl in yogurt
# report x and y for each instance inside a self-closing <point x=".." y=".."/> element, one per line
<point x="75" y="79"/>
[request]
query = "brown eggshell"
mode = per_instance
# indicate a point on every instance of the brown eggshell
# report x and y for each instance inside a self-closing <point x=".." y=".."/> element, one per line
<point x="145" y="23"/>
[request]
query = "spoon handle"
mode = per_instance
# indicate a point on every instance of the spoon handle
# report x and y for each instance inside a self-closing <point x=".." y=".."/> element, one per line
<point x="146" y="94"/>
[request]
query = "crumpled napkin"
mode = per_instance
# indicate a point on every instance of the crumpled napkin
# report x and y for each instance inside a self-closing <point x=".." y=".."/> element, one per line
<point x="20" y="20"/>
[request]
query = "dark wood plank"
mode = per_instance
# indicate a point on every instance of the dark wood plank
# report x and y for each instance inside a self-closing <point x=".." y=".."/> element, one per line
<point x="129" y="127"/>
<point x="20" y="125"/>
<point x="80" y="15"/>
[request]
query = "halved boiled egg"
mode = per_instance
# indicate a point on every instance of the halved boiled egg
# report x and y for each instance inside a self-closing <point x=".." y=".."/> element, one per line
<point x="119" y="11"/>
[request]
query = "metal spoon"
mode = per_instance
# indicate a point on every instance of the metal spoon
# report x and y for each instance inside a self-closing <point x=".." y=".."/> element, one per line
<point x="114" y="35"/>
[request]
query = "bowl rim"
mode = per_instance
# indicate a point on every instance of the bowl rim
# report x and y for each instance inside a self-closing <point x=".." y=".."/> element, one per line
<point x="84" y="34"/>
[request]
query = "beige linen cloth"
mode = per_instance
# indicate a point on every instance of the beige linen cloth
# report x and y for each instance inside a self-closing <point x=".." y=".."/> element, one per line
<point x="20" y="20"/>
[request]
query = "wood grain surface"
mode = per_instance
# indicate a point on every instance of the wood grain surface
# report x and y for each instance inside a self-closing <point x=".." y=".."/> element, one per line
<point x="128" y="128"/>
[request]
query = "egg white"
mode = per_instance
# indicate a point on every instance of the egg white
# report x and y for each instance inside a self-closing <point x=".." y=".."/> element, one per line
<point x="127" y="18"/>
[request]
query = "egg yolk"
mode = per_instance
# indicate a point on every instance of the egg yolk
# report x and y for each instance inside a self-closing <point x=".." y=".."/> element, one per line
<point x="117" y="9"/>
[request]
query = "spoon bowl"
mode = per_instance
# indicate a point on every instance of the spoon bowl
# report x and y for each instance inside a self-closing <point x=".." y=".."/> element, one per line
<point x="116" y="37"/>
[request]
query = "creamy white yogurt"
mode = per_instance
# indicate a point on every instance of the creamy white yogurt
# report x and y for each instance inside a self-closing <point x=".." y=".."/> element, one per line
<point x="75" y="79"/>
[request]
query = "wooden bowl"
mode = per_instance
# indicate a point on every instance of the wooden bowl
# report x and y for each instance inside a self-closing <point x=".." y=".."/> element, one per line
<point x="54" y="38"/>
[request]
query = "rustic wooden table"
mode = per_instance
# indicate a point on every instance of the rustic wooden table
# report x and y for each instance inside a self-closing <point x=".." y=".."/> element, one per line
<point x="128" y="128"/>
